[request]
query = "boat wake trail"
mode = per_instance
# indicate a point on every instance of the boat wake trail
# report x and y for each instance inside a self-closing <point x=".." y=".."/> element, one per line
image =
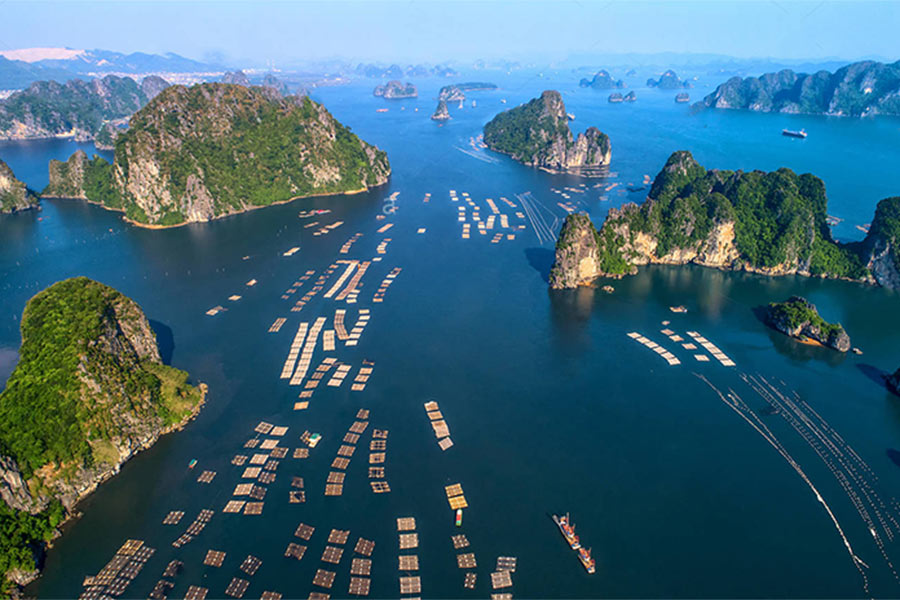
<point x="538" y="219"/>
<point x="787" y="408"/>
<point x="479" y="155"/>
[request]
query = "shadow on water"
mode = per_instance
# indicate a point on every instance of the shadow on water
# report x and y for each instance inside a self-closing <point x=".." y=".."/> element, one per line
<point x="541" y="260"/>
<point x="874" y="373"/>
<point x="165" y="339"/>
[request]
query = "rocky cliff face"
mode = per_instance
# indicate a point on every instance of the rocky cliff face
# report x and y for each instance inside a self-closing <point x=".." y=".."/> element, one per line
<point x="577" y="254"/>
<point x="236" y="78"/>
<point x="67" y="178"/>
<point x="395" y="90"/>
<point x="14" y="195"/>
<point x="152" y="85"/>
<point x="76" y="109"/>
<point x="537" y="134"/>
<point x="451" y="93"/>
<point x="602" y="81"/>
<point x="272" y="82"/>
<point x="195" y="154"/>
<point x="105" y="395"/>
<point x="668" y="81"/>
<point x="859" y="89"/>
<point x="881" y="248"/>
<point x="798" y="318"/>
<point x="767" y="223"/>
<point x="441" y="113"/>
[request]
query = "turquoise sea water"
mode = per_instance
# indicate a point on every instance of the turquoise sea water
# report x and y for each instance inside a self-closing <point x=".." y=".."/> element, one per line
<point x="550" y="405"/>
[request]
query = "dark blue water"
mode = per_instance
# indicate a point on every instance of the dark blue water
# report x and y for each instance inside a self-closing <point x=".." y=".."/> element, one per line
<point x="550" y="405"/>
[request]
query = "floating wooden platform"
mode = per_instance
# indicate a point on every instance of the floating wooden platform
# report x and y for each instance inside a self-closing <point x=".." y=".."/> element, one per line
<point x="295" y="551"/>
<point x="173" y="517"/>
<point x="506" y="563"/>
<point x="338" y="536"/>
<point x="234" y="506"/>
<point x="304" y="531"/>
<point x="409" y="540"/>
<point x="406" y="524"/>
<point x="460" y="541"/>
<point x="238" y="460"/>
<point x="466" y="561"/>
<point x="332" y="554"/>
<point x="196" y="593"/>
<point x="206" y="477"/>
<point x="270" y="596"/>
<point x="359" y="586"/>
<point x="376" y="472"/>
<point x="251" y="565"/>
<point x="380" y="487"/>
<point x="237" y="588"/>
<point x="501" y="579"/>
<point x="340" y="462"/>
<point x="445" y="443"/>
<point x="470" y="580"/>
<point x="214" y="558"/>
<point x="409" y="562"/>
<point x="324" y="578"/>
<point x="301" y="452"/>
<point x="296" y="496"/>
<point x="364" y="547"/>
<point x="253" y="508"/>
<point x="334" y="489"/>
<point x="361" y="566"/>
<point x="411" y="585"/>
<point x="380" y="434"/>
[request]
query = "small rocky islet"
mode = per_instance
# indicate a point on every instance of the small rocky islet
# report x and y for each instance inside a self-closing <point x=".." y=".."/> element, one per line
<point x="537" y="134"/>
<point x="799" y="318"/>
<point x="396" y="90"/>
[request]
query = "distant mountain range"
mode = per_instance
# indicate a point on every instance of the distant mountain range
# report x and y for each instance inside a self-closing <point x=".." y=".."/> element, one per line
<point x="859" y="89"/>
<point x="19" y="68"/>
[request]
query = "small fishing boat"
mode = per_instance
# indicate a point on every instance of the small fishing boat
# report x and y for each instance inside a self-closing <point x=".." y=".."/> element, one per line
<point x="678" y="309"/>
<point x="792" y="133"/>
<point x="568" y="530"/>
<point x="584" y="555"/>
<point x="459" y="517"/>
<point x="192" y="464"/>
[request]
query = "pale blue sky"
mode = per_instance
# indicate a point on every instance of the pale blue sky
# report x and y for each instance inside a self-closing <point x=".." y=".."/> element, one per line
<point x="435" y="31"/>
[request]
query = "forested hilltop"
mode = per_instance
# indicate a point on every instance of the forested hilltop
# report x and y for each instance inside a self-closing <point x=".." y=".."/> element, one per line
<point x="214" y="149"/>
<point x="89" y="392"/>
<point x="537" y="134"/>
<point x="79" y="109"/>
<point x="770" y="223"/>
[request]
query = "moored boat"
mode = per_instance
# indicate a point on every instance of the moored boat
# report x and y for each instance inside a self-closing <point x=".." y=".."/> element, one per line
<point x="568" y="530"/>
<point x="459" y="517"/>
<point x="584" y="555"/>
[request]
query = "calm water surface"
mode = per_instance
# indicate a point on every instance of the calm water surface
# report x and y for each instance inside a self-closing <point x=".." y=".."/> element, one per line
<point x="551" y="406"/>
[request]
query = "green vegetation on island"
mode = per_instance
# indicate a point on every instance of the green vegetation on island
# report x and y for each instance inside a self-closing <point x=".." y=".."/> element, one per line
<point x="798" y="318"/>
<point x="858" y="89"/>
<point x="89" y="391"/>
<point x="77" y="108"/>
<point x="771" y="223"/>
<point x="198" y="153"/>
<point x="537" y="134"/>
<point x="14" y="194"/>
